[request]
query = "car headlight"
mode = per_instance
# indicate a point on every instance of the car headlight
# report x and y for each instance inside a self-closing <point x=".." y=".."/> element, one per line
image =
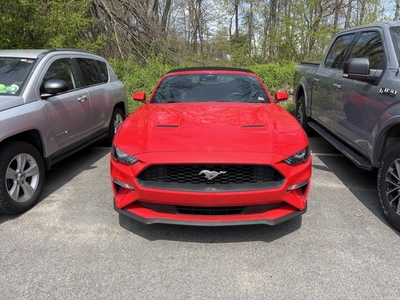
<point x="123" y="157"/>
<point x="299" y="157"/>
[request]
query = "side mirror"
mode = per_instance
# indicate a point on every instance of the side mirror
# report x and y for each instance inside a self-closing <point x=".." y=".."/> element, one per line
<point x="358" y="69"/>
<point x="281" y="96"/>
<point x="54" y="86"/>
<point x="139" y="96"/>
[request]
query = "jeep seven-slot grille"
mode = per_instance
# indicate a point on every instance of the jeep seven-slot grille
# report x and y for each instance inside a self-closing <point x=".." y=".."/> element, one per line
<point x="210" y="178"/>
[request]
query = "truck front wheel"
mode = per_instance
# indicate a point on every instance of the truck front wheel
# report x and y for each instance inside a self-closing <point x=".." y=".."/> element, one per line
<point x="301" y="114"/>
<point x="21" y="177"/>
<point x="389" y="185"/>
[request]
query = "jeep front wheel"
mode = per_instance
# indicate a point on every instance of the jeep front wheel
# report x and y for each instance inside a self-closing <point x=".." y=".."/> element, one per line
<point x="116" y="121"/>
<point x="389" y="185"/>
<point x="21" y="177"/>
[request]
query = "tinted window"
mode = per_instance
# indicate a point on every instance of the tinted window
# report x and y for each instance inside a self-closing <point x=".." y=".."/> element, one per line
<point x="103" y="70"/>
<point x="395" y="32"/>
<point x="89" y="71"/>
<point x="13" y="74"/>
<point x="370" y="45"/>
<point x="337" y="53"/>
<point x="205" y="88"/>
<point x="62" y="69"/>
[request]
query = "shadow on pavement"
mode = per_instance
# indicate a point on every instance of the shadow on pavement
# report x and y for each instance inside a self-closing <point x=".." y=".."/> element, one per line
<point x="65" y="170"/>
<point x="361" y="183"/>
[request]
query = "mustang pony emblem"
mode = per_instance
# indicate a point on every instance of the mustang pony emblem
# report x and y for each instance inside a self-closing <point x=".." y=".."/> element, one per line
<point x="211" y="174"/>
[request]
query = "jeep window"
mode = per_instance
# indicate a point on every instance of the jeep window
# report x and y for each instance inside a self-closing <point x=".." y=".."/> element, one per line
<point x="103" y="70"/>
<point x="13" y="73"/>
<point x="337" y="54"/>
<point x="61" y="69"/>
<point x="89" y="70"/>
<point x="395" y="33"/>
<point x="369" y="45"/>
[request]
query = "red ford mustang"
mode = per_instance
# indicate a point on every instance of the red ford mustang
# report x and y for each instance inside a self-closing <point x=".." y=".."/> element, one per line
<point x="210" y="147"/>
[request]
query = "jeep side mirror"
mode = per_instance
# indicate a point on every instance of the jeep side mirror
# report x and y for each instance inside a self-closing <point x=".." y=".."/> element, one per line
<point x="52" y="87"/>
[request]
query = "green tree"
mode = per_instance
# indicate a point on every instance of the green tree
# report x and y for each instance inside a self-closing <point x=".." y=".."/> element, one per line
<point x="48" y="24"/>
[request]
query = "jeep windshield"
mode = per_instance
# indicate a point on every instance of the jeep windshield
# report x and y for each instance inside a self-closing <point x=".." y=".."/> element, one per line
<point x="13" y="74"/>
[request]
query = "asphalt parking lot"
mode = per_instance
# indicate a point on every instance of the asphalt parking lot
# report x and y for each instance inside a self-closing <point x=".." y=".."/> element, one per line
<point x="73" y="245"/>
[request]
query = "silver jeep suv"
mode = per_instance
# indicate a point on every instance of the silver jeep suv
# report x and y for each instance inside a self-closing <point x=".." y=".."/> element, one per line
<point x="52" y="103"/>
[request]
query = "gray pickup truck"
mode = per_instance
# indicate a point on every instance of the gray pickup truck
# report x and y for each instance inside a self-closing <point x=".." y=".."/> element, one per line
<point x="52" y="103"/>
<point x="352" y="99"/>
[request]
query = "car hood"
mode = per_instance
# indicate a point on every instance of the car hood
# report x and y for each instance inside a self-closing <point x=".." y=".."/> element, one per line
<point x="227" y="127"/>
<point x="7" y="102"/>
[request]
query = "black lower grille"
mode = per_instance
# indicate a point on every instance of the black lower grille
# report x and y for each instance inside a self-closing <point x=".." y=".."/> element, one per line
<point x="210" y="211"/>
<point x="210" y="178"/>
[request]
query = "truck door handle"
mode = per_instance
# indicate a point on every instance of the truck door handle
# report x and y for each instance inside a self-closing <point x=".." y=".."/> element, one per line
<point x="316" y="80"/>
<point x="82" y="98"/>
<point x="337" y="86"/>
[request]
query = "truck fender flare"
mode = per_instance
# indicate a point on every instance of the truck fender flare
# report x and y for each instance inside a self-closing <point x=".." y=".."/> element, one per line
<point x="385" y="134"/>
<point x="302" y="85"/>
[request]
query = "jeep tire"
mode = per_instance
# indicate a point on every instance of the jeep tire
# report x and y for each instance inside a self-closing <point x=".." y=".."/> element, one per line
<point x="22" y="175"/>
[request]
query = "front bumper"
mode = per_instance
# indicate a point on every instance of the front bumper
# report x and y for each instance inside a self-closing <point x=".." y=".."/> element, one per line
<point x="268" y="206"/>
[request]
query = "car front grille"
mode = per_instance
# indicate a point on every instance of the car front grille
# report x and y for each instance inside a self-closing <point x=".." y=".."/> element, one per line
<point x="210" y="178"/>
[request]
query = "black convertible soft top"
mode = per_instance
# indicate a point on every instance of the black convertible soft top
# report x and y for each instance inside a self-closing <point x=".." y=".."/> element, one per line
<point x="210" y="69"/>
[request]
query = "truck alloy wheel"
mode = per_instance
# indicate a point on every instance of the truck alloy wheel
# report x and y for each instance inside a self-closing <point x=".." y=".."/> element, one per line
<point x="389" y="186"/>
<point x="301" y="115"/>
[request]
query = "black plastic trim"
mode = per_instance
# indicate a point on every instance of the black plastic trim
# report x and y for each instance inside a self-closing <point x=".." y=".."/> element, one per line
<point x="209" y="223"/>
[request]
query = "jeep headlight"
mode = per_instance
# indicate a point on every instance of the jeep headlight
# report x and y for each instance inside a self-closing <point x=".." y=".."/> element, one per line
<point x="122" y="157"/>
<point x="299" y="157"/>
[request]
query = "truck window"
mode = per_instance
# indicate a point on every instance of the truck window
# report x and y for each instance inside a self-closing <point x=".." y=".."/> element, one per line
<point x="337" y="53"/>
<point x="395" y="33"/>
<point x="369" y="45"/>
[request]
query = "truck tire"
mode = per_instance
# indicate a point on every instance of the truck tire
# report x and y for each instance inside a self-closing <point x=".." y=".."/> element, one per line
<point x="301" y="115"/>
<point x="389" y="185"/>
<point x="21" y="177"/>
<point x="116" y="120"/>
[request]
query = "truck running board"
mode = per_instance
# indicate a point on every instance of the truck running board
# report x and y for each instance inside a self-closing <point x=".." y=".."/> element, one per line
<point x="359" y="160"/>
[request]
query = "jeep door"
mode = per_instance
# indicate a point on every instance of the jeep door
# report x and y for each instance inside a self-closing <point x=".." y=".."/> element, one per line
<point x="69" y="113"/>
<point x="94" y="75"/>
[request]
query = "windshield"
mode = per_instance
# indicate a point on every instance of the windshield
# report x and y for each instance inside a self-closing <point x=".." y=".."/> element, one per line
<point x="395" y="33"/>
<point x="210" y="88"/>
<point x="13" y="74"/>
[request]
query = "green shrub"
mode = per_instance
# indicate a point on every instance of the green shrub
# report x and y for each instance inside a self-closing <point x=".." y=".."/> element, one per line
<point x="276" y="76"/>
<point x="288" y="105"/>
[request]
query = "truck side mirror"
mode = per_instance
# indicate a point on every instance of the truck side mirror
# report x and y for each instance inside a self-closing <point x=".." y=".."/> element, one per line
<point x="358" y="69"/>
<point x="358" y="66"/>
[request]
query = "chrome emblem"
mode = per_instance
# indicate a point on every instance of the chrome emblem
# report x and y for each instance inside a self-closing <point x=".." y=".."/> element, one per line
<point x="210" y="175"/>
